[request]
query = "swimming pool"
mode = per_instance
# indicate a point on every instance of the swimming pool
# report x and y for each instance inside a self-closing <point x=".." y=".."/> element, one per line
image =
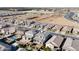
<point x="13" y="37"/>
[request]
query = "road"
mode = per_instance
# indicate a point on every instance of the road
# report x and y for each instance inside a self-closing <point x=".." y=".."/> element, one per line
<point x="12" y="14"/>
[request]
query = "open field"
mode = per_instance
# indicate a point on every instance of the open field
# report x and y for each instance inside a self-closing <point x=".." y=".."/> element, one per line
<point x="58" y="20"/>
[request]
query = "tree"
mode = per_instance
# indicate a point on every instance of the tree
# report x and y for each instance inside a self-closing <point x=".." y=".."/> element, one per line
<point x="45" y="48"/>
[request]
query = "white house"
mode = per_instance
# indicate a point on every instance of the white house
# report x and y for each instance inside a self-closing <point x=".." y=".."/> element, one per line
<point x="30" y="33"/>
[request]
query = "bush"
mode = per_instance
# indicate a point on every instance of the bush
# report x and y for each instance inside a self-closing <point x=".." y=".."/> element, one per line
<point x="45" y="48"/>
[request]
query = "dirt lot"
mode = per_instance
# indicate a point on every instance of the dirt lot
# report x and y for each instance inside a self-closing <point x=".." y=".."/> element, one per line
<point x="58" y="20"/>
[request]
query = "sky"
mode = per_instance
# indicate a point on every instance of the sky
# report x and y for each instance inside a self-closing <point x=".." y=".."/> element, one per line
<point x="39" y="3"/>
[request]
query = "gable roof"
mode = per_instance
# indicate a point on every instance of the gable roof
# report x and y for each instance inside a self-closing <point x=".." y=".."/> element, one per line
<point x="56" y="40"/>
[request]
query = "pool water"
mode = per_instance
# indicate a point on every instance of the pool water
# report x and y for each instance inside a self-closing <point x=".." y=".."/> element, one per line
<point x="13" y="37"/>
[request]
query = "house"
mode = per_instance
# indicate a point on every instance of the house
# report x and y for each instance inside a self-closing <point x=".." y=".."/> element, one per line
<point x="75" y="17"/>
<point x="1" y="26"/>
<point x="75" y="31"/>
<point x="18" y="32"/>
<point x="2" y="31"/>
<point x="28" y="36"/>
<point x="36" y="25"/>
<point x="22" y="23"/>
<point x="8" y="30"/>
<point x="16" y="22"/>
<point x="10" y="39"/>
<point x="71" y="45"/>
<point x="49" y="27"/>
<point x="30" y="33"/>
<point x="42" y="37"/>
<point x="4" y="25"/>
<point x="30" y="22"/>
<point x="55" y="41"/>
<point x="18" y="37"/>
<point x="69" y="15"/>
<point x="24" y="41"/>
<point x="67" y="30"/>
<point x="6" y="35"/>
<point x="42" y="26"/>
<point x="56" y="28"/>
<point x="22" y="29"/>
<point x="12" y="29"/>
